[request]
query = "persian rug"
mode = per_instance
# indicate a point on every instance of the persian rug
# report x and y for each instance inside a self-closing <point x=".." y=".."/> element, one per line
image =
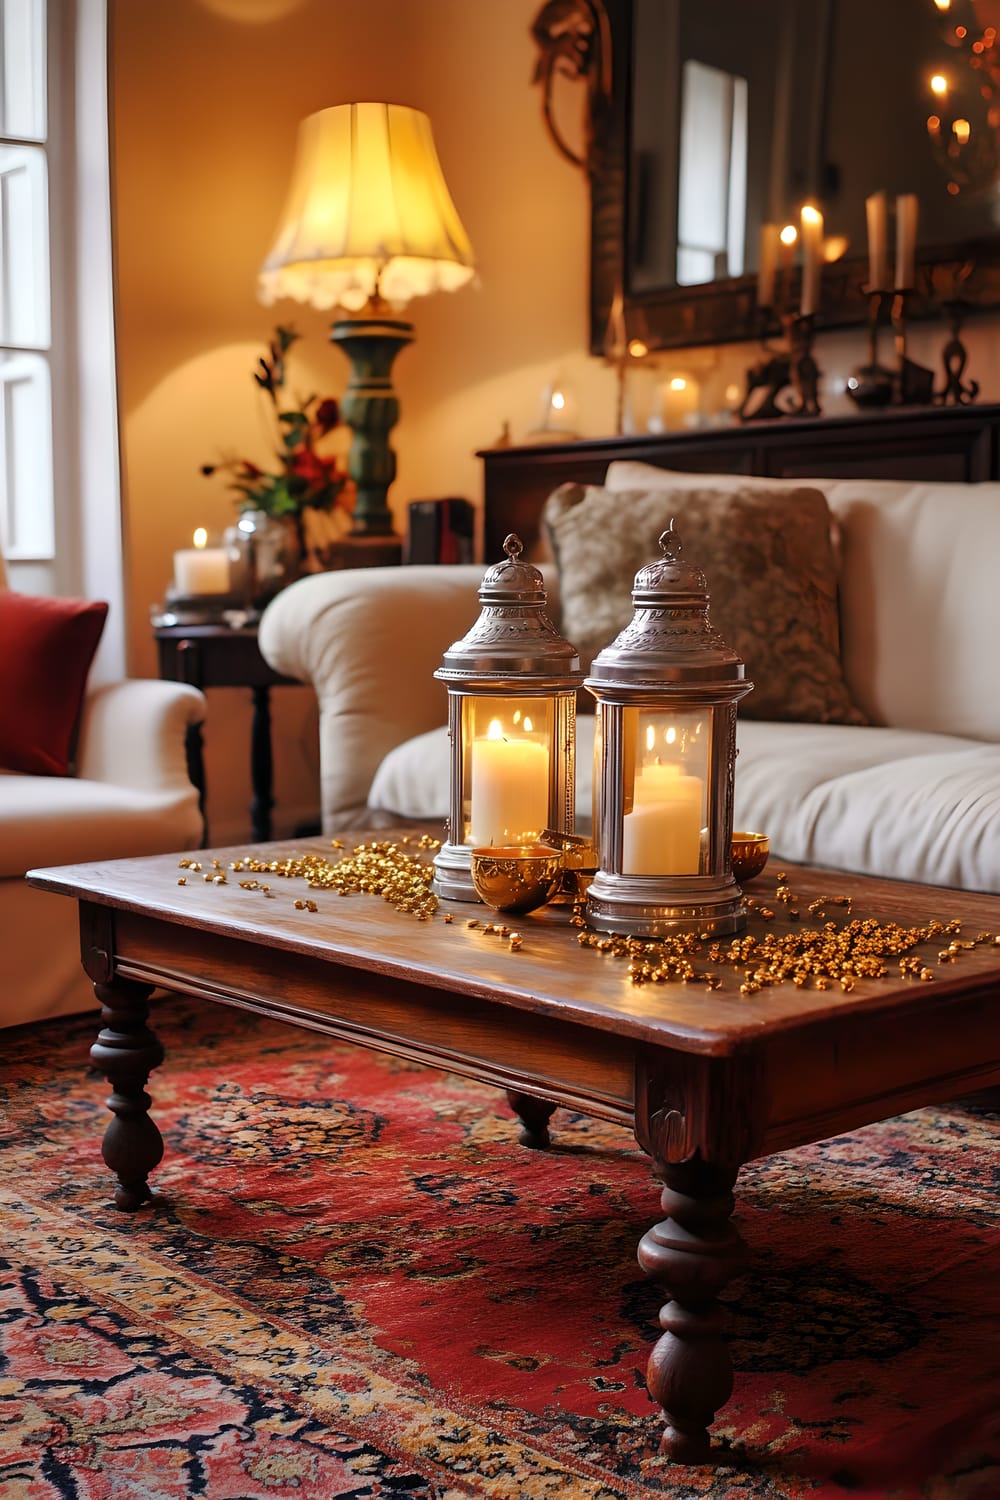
<point x="355" y="1283"/>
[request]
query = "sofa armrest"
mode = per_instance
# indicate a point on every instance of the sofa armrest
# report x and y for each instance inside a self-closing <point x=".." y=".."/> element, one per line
<point x="369" y="640"/>
<point x="133" y="733"/>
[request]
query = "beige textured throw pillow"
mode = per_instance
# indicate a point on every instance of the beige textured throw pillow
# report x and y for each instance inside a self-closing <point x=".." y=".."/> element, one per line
<point x="771" y="572"/>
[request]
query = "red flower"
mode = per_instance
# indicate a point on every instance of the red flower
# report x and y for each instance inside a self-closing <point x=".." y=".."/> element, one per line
<point x="327" y="415"/>
<point x="300" y="476"/>
<point x="309" y="466"/>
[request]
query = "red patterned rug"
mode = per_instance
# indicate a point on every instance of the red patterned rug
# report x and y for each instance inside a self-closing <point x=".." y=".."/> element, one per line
<point x="356" y="1284"/>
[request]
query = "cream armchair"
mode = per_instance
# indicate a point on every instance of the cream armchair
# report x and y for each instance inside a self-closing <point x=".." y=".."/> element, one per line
<point x="369" y="640"/>
<point x="131" y="795"/>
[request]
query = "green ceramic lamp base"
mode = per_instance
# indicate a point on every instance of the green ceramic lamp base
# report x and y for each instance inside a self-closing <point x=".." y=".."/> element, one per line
<point x="370" y="409"/>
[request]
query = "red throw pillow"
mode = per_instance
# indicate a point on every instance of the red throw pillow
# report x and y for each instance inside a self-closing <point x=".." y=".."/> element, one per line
<point x="46" y="647"/>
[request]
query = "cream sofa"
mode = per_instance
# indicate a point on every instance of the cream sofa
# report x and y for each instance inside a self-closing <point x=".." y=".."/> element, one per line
<point x="130" y="795"/>
<point x="915" y="794"/>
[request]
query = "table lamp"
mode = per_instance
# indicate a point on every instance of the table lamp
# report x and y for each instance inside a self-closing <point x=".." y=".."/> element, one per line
<point x="368" y="224"/>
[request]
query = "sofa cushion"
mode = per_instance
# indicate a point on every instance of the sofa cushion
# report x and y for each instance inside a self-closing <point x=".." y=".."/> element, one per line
<point x="896" y="803"/>
<point x="772" y="579"/>
<point x="48" y="820"/>
<point x="46" y="647"/>
<point x="919" y="605"/>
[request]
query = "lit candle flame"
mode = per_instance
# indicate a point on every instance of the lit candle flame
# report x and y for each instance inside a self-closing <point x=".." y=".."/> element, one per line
<point x="789" y="235"/>
<point x="528" y="726"/>
<point x="670" y="735"/>
<point x="200" y="537"/>
<point x="495" y="731"/>
<point x="939" y="85"/>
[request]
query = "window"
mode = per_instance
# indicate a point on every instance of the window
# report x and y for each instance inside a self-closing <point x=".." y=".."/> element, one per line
<point x="712" y="184"/>
<point x="27" y="526"/>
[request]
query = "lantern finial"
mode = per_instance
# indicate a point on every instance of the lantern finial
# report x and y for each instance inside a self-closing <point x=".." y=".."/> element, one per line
<point x="670" y="543"/>
<point x="513" y="546"/>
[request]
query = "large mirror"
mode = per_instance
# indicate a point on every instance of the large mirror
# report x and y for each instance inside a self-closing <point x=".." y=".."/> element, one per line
<point x="726" y="116"/>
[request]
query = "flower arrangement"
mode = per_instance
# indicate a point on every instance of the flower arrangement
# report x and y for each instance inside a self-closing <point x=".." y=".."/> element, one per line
<point x="303" y="479"/>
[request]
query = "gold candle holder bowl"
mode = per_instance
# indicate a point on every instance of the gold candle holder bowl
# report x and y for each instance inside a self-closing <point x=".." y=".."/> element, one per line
<point x="750" y="851"/>
<point x="517" y="877"/>
<point x="580" y="863"/>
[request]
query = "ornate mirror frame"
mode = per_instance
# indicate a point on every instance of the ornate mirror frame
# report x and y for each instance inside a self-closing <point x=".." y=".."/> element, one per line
<point x="591" y="41"/>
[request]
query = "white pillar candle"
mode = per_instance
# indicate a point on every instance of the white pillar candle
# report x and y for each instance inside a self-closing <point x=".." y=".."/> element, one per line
<point x="510" y="789"/>
<point x="201" y="569"/>
<point x="906" y="241"/>
<point x="877" y="219"/>
<point x="812" y="259"/>
<point x="662" y="833"/>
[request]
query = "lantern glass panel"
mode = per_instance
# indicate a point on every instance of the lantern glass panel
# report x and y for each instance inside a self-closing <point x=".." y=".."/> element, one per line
<point x="506" y="771"/>
<point x="665" y="765"/>
<point x="597" y="779"/>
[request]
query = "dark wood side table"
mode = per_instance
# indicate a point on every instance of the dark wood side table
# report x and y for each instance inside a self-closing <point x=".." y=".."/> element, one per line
<point x="210" y="656"/>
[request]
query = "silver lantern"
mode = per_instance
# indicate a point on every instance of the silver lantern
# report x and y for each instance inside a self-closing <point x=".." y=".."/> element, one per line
<point x="512" y="683"/>
<point x="664" y="760"/>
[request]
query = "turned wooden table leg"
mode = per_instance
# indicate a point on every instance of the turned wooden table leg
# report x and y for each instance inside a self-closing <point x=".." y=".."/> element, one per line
<point x="534" y="1115"/>
<point x="695" y="1251"/>
<point x="126" y="1052"/>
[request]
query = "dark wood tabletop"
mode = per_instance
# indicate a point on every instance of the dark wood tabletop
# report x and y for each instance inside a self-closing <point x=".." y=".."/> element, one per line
<point x="552" y="971"/>
<point x="707" y="1078"/>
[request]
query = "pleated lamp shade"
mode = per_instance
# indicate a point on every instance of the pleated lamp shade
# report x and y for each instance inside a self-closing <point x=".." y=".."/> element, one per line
<point x="368" y="213"/>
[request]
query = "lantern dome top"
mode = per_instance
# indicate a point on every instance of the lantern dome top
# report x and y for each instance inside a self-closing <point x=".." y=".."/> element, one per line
<point x="670" y="643"/>
<point x="670" y="574"/>
<point x="512" y="580"/>
<point x="513" y="638"/>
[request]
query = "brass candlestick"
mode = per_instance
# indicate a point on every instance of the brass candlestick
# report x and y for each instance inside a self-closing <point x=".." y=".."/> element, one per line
<point x="954" y="356"/>
<point x="767" y="378"/>
<point x="872" y="384"/>
<point x="794" y="366"/>
<point x="804" y="369"/>
<point x="913" y="384"/>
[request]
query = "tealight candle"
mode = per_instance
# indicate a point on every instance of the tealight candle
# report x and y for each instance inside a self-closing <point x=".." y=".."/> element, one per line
<point x="201" y="569"/>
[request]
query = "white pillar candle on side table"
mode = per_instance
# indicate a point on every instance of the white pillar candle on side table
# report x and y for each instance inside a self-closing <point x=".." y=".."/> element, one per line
<point x="510" y="789"/>
<point x="201" y="569"/>
<point x="662" y="833"/>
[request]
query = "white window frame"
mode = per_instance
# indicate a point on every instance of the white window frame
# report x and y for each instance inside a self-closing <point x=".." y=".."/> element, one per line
<point x="87" y="558"/>
<point x="27" y="493"/>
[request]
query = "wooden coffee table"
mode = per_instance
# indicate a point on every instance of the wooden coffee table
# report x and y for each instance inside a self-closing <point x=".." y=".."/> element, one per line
<point x="708" y="1079"/>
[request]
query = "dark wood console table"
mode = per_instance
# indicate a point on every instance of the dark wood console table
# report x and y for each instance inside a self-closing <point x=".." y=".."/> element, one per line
<point x="208" y="656"/>
<point x="960" y="444"/>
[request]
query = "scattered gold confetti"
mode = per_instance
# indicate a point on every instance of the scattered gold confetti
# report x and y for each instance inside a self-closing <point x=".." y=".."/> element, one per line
<point x="817" y="957"/>
<point x="381" y="868"/>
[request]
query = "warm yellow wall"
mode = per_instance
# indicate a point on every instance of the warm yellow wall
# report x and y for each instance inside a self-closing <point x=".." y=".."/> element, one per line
<point x="207" y="95"/>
